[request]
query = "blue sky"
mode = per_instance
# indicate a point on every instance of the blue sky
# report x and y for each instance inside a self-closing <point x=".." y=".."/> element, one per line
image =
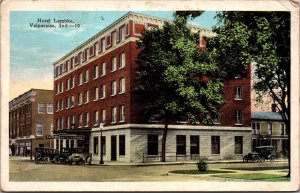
<point x="33" y="51"/>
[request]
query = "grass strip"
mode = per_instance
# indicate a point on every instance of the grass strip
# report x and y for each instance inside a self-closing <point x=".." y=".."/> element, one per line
<point x="199" y="172"/>
<point x="256" y="176"/>
<point x="258" y="168"/>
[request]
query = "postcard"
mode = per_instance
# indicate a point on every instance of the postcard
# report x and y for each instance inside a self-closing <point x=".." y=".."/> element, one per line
<point x="150" y="95"/>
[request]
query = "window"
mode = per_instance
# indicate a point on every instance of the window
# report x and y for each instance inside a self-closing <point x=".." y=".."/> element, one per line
<point x="113" y="64"/>
<point x="86" y="76"/>
<point x="57" y="105"/>
<point x="87" y="119"/>
<point x="39" y="129"/>
<point x="96" y="93"/>
<point x="283" y="129"/>
<point x="103" y="115"/>
<point x="180" y="144"/>
<point x="152" y="144"/>
<point x="238" y="117"/>
<point x="102" y="91"/>
<point x="57" y="89"/>
<point x="122" y="60"/>
<point x="122" y="85"/>
<point x="67" y="84"/>
<point x="73" y="119"/>
<point x="41" y="108"/>
<point x="113" y="88"/>
<point x="113" y="38"/>
<point x="72" y="82"/>
<point x="103" y="69"/>
<point x="270" y="128"/>
<point x="96" y="145"/>
<point x="122" y="145"/>
<point x="103" y="142"/>
<point x="68" y="122"/>
<point x="79" y="98"/>
<point x="103" y="45"/>
<point x="216" y="118"/>
<point x="72" y="101"/>
<point x="215" y="144"/>
<point x="238" y="93"/>
<point x="49" y="108"/>
<point x="96" y="117"/>
<point x="96" y="71"/>
<point x="86" y="96"/>
<point x="80" y="79"/>
<point x="61" y="87"/>
<point x="255" y="128"/>
<point x="238" y="144"/>
<point x="194" y="146"/>
<point x="122" y="34"/>
<point x="122" y="113"/>
<point x="67" y="102"/>
<point x="113" y="114"/>
<point x="80" y="120"/>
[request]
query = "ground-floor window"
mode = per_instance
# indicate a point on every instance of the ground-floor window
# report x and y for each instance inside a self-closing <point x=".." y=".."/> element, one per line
<point x="180" y="144"/>
<point x="152" y="144"/>
<point x="194" y="144"/>
<point x="215" y="144"/>
<point x="67" y="144"/>
<point x="238" y="144"/>
<point x="95" y="145"/>
<point x="80" y="143"/>
<point x="103" y="142"/>
<point x="72" y="143"/>
<point x="122" y="145"/>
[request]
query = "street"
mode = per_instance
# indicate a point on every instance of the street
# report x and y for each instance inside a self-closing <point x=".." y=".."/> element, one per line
<point x="26" y="170"/>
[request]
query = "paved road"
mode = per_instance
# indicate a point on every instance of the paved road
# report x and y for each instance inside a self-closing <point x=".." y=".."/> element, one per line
<point x="26" y="170"/>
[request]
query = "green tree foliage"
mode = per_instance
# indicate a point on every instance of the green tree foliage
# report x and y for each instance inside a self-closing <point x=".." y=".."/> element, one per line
<point x="260" y="38"/>
<point x="176" y="80"/>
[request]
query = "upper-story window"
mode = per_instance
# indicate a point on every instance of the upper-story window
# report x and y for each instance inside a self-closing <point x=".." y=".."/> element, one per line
<point x="103" y="45"/>
<point x="113" y="38"/>
<point x="122" y="85"/>
<point x="72" y="102"/>
<point x="68" y="84"/>
<point x="72" y="63"/>
<point x="216" y="118"/>
<point x="79" y="98"/>
<point x="96" y="71"/>
<point x="238" y="93"/>
<point x="122" y="34"/>
<point x="122" y="60"/>
<point x="113" y="114"/>
<point x="57" y="88"/>
<point x="103" y="115"/>
<point x="72" y="83"/>
<point x="41" y="108"/>
<point x="113" y="88"/>
<point x="103" y="91"/>
<point x="113" y="64"/>
<point x="67" y="102"/>
<point x="283" y="129"/>
<point x="238" y="117"/>
<point x="86" y="96"/>
<point x="122" y="113"/>
<point x="80" y="79"/>
<point x="96" y="117"/>
<point x="67" y="65"/>
<point x="39" y="129"/>
<point x="270" y="128"/>
<point x="86" y="77"/>
<point x="255" y="128"/>
<point x="96" y="93"/>
<point x="87" y="119"/>
<point x="80" y="120"/>
<point x="103" y="69"/>
<point x="49" y="108"/>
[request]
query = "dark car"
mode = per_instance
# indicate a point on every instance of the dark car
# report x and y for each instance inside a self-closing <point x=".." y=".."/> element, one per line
<point x="62" y="156"/>
<point x="80" y="156"/>
<point x="46" y="155"/>
<point x="261" y="154"/>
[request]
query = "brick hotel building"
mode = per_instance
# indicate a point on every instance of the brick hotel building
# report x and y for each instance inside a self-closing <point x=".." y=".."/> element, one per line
<point x="93" y="85"/>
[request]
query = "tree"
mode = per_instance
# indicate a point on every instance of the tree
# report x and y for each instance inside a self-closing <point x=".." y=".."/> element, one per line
<point x="260" y="38"/>
<point x="175" y="78"/>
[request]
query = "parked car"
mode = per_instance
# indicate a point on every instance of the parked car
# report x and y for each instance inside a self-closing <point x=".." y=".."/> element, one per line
<point x="80" y="156"/>
<point x="261" y="154"/>
<point x="63" y="155"/>
<point x="46" y="155"/>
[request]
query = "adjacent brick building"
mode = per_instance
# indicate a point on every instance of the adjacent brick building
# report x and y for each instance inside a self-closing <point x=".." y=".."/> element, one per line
<point x="93" y="84"/>
<point x="30" y="120"/>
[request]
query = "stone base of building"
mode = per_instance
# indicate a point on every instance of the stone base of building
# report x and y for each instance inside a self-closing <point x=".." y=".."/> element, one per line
<point x="143" y="143"/>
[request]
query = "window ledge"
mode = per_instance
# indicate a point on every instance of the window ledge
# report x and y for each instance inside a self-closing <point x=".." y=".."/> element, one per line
<point x="95" y="99"/>
<point x="217" y="123"/>
<point x="113" y="95"/>
<point x="102" y="98"/>
<point x="238" y="99"/>
<point x="122" y="92"/>
<point x="122" y="67"/>
<point x="238" y="124"/>
<point x="102" y="75"/>
<point x="122" y="121"/>
<point x="114" y="122"/>
<point x="80" y="104"/>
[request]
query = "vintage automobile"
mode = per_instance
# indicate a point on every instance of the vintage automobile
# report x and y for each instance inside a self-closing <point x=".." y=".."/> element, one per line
<point x="63" y="155"/>
<point x="46" y="155"/>
<point x="80" y="156"/>
<point x="261" y="154"/>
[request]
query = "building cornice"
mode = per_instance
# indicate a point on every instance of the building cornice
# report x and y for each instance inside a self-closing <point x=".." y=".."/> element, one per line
<point x="175" y="127"/>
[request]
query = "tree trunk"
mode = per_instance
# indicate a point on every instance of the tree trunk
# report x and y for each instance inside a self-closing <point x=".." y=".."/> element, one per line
<point x="288" y="129"/>
<point x="164" y="140"/>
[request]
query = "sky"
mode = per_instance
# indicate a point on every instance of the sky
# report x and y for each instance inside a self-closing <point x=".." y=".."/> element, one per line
<point x="34" y="50"/>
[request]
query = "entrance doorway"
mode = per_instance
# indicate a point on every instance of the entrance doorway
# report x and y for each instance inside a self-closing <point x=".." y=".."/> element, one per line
<point x="113" y="148"/>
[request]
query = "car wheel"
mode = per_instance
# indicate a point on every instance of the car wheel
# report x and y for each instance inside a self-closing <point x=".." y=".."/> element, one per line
<point x="47" y="159"/>
<point x="272" y="158"/>
<point x="88" y="160"/>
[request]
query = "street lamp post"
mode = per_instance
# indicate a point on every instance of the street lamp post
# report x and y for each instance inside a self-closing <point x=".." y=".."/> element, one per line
<point x="101" y="145"/>
<point x="31" y="147"/>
